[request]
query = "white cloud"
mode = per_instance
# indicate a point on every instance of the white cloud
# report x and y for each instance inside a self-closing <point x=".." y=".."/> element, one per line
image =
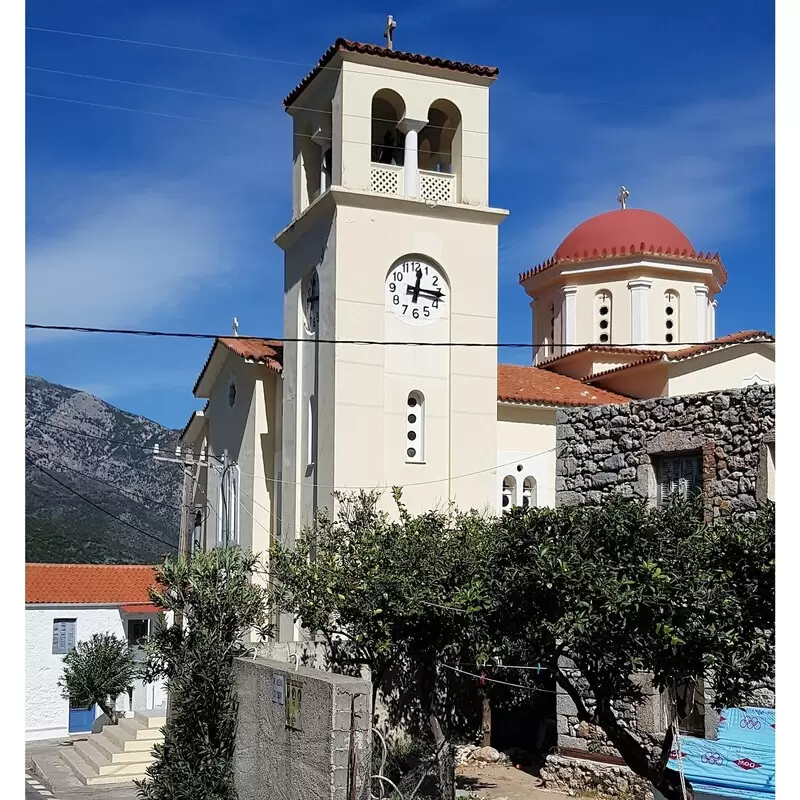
<point x="700" y="165"/>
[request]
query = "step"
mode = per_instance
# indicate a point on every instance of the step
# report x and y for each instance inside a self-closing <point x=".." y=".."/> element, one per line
<point x="115" y="753"/>
<point x="86" y="775"/>
<point x="151" y="718"/>
<point x="103" y="766"/>
<point x="123" y="739"/>
<point x="135" y="730"/>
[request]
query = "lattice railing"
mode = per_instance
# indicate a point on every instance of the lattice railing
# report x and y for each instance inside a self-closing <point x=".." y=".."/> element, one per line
<point x="440" y="187"/>
<point x="386" y="179"/>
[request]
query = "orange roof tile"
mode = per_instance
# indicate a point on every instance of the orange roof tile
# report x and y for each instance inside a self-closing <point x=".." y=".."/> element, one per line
<point x="519" y="384"/>
<point x="112" y="584"/>
<point x="262" y="351"/>
<point x="594" y="348"/>
<point x="740" y="337"/>
<point x="346" y="45"/>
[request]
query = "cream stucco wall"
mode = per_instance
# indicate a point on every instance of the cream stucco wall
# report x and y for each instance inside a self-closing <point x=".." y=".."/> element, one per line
<point x="46" y="711"/>
<point x="526" y="438"/>
<point x="731" y="368"/>
<point x="655" y="278"/>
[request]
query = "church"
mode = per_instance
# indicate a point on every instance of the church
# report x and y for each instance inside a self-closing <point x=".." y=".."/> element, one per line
<point x="383" y="377"/>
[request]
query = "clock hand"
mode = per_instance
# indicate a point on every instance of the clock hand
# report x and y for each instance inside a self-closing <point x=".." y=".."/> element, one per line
<point x="416" y="290"/>
<point x="436" y="294"/>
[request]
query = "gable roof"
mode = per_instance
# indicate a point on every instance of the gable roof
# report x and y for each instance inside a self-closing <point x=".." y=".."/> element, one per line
<point x="252" y="349"/>
<point x="348" y="46"/>
<point x="721" y="343"/>
<point x="534" y="386"/>
<point x="112" y="584"/>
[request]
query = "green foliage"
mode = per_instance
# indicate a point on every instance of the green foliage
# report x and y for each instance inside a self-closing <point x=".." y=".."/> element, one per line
<point x="221" y="604"/>
<point x="625" y="589"/>
<point x="400" y="596"/>
<point x="97" y="671"/>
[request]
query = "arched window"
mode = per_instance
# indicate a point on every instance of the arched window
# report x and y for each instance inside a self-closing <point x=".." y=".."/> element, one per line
<point x="311" y="433"/>
<point x="603" y="316"/>
<point x="440" y="139"/>
<point x="388" y="143"/>
<point x="509" y="493"/>
<point x="529" y="492"/>
<point x="415" y="428"/>
<point x="551" y="338"/>
<point x="327" y="171"/>
<point x="671" y="316"/>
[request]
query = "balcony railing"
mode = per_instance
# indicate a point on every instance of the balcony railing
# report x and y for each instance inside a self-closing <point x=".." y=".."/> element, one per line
<point x="438" y="187"/>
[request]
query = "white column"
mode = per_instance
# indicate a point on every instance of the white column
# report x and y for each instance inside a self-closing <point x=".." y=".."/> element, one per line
<point x="712" y="320"/>
<point x="640" y="324"/>
<point x="569" y="320"/>
<point x="701" y="297"/>
<point x="411" y="128"/>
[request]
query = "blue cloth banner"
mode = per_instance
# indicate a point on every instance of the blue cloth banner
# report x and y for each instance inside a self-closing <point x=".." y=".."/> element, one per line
<point x="740" y="762"/>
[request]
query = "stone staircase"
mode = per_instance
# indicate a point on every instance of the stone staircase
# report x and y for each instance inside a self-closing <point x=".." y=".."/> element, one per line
<point x="119" y="753"/>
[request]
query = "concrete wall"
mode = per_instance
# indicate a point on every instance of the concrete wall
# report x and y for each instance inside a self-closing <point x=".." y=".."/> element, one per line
<point x="46" y="711"/>
<point x="526" y="437"/>
<point x="308" y="757"/>
<point x="724" y="369"/>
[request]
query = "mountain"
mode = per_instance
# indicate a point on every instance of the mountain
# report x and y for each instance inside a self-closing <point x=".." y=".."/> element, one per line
<point x="106" y="455"/>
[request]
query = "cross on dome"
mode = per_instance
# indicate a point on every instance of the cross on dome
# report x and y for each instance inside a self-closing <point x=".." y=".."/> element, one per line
<point x="623" y="196"/>
<point x="388" y="33"/>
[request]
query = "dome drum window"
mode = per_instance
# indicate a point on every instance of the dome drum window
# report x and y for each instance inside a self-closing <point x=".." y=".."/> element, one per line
<point x="671" y="317"/>
<point x="603" y="317"/>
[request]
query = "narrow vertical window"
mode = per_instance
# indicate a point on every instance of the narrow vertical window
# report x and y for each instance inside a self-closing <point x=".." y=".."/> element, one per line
<point x="529" y="492"/>
<point x="415" y="428"/>
<point x="509" y="492"/>
<point x="551" y="339"/>
<point x="671" y="317"/>
<point x="327" y="170"/>
<point x="603" y="316"/>
<point x="64" y="631"/>
<point x="312" y="429"/>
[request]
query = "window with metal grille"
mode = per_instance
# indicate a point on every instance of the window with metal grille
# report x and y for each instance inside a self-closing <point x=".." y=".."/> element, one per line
<point x="64" y="635"/>
<point x="678" y="476"/>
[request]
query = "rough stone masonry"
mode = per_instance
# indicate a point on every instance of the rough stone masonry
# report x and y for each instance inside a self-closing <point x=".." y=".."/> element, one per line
<point x="606" y="449"/>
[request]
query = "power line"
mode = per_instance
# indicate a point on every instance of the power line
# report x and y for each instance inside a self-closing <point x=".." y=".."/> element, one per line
<point x="115" y="108"/>
<point x="307" y="65"/>
<point x="146" y="448"/>
<point x="114" y="486"/>
<point x="95" y="505"/>
<point x="372" y="342"/>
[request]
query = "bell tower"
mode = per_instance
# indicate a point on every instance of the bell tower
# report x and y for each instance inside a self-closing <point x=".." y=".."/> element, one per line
<point x="392" y="239"/>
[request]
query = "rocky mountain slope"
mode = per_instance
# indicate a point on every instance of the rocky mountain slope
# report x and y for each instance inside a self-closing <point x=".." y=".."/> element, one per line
<point x="105" y="455"/>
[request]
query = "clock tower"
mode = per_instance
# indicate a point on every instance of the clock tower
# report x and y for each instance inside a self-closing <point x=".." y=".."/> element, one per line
<point x="392" y="239"/>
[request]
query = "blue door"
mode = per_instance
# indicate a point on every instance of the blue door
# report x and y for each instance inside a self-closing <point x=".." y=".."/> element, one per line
<point x="80" y="719"/>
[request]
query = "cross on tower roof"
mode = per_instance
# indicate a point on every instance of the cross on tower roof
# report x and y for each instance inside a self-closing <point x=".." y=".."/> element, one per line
<point x="624" y="194"/>
<point x="387" y="34"/>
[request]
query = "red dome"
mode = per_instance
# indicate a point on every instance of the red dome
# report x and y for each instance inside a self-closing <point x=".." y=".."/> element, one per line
<point x="624" y="227"/>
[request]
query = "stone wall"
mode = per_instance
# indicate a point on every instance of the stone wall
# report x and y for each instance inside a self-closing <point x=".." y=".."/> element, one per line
<point x="579" y="776"/>
<point x="302" y="734"/>
<point x="606" y="449"/>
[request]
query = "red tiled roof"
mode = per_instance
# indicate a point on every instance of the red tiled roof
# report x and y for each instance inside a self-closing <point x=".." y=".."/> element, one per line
<point x="519" y="384"/>
<point x="262" y="351"/>
<point x="613" y="253"/>
<point x="594" y="348"/>
<point x="114" y="584"/>
<point x="345" y="45"/>
<point x="740" y="337"/>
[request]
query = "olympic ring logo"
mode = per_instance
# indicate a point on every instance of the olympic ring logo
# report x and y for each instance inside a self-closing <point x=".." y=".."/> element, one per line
<point x="751" y="723"/>
<point x="712" y="758"/>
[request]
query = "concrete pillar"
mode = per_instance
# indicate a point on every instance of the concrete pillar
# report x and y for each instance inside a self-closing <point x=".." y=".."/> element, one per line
<point x="640" y="324"/>
<point x="411" y="128"/>
<point x="701" y="296"/>
<point x="569" y="323"/>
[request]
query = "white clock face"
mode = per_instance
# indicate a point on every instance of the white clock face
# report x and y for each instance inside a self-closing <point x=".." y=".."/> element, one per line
<point x="311" y="303"/>
<point x="416" y="292"/>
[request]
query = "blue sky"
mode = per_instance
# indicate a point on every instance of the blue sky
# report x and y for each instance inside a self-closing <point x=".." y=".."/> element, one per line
<point x="165" y="220"/>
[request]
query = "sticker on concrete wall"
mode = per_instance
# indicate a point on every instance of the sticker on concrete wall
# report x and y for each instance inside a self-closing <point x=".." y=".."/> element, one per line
<point x="278" y="690"/>
<point x="294" y="700"/>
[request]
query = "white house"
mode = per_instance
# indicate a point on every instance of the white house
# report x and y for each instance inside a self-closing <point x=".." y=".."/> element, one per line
<point x="393" y="238"/>
<point x="66" y="604"/>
